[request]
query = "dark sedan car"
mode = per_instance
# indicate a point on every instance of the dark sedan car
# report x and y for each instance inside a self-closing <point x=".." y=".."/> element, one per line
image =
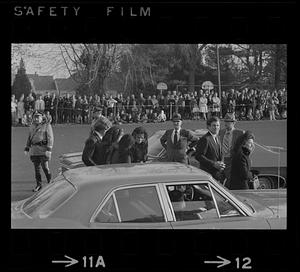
<point x="154" y="195"/>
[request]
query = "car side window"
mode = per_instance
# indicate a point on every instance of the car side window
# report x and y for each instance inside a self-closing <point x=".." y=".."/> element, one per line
<point x="139" y="204"/>
<point x="192" y="201"/>
<point x="224" y="205"/>
<point x="108" y="213"/>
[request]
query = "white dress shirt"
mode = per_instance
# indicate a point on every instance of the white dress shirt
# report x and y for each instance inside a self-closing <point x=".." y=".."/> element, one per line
<point x="214" y="137"/>
<point x="178" y="135"/>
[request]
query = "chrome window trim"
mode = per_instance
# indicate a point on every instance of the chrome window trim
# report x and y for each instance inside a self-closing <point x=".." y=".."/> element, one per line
<point x="180" y="183"/>
<point x="232" y="201"/>
<point x="213" y="196"/>
<point x="165" y="184"/>
<point x="140" y="186"/>
<point x="169" y="211"/>
<point x="99" y="207"/>
<point x="162" y="202"/>
<point x="112" y="192"/>
<point x="116" y="206"/>
<point x="208" y="182"/>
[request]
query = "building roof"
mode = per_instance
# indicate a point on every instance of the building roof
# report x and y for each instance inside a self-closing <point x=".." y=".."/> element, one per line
<point x="42" y="83"/>
<point x="66" y="84"/>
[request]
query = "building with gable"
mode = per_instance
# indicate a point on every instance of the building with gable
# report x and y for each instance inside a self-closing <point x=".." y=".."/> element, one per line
<point x="42" y="84"/>
<point x="59" y="86"/>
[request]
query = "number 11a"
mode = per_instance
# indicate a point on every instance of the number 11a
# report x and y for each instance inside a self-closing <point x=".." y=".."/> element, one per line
<point x="245" y="263"/>
<point x="100" y="261"/>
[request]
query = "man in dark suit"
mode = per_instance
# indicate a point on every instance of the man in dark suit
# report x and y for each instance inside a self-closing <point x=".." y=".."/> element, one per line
<point x="176" y="141"/>
<point x="93" y="152"/>
<point x="208" y="150"/>
<point x="228" y="137"/>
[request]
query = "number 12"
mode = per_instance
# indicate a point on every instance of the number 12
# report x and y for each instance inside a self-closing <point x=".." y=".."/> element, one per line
<point x="246" y="263"/>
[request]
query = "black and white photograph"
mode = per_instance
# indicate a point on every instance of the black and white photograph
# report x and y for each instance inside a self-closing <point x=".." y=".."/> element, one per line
<point x="150" y="135"/>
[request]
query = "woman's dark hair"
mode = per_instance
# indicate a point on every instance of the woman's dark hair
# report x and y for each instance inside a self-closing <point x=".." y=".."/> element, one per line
<point x="140" y="151"/>
<point x="140" y="130"/>
<point x="242" y="140"/>
<point x="112" y="135"/>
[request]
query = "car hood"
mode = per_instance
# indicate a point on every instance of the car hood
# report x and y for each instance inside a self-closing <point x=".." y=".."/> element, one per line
<point x="266" y="203"/>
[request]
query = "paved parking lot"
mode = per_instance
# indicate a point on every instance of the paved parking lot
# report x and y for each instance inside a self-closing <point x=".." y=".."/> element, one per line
<point x="70" y="138"/>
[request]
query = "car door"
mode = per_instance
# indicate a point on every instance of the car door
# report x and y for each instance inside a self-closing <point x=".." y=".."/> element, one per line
<point x="132" y="207"/>
<point x="200" y="205"/>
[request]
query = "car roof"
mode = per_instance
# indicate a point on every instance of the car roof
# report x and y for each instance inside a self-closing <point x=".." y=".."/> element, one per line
<point x="135" y="173"/>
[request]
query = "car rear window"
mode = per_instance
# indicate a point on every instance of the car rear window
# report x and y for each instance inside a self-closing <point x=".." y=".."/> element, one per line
<point x="48" y="200"/>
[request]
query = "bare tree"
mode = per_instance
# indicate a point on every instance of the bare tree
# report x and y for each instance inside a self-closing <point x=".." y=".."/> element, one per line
<point x="193" y="54"/>
<point x="91" y="64"/>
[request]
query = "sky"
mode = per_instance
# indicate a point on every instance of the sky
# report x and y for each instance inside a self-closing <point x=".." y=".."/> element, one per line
<point x="43" y="59"/>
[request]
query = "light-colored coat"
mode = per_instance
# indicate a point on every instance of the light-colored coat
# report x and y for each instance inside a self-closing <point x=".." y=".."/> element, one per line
<point x="236" y="133"/>
<point x="37" y="134"/>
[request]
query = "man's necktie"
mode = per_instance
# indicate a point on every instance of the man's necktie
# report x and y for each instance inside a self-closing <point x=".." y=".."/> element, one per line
<point x="175" y="137"/>
<point x="226" y="143"/>
<point x="218" y="144"/>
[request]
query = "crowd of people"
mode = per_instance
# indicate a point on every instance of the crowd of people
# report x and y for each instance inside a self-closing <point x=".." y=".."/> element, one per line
<point x="247" y="104"/>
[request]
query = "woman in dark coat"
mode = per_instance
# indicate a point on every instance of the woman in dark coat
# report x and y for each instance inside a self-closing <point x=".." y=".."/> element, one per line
<point x="241" y="164"/>
<point x="124" y="152"/>
<point x="140" y="147"/>
<point x="111" y="142"/>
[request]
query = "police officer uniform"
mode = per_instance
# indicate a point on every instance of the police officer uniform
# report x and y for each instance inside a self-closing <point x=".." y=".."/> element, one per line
<point x="40" y="143"/>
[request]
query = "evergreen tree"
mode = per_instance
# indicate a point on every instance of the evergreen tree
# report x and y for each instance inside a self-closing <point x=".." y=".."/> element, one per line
<point x="21" y="83"/>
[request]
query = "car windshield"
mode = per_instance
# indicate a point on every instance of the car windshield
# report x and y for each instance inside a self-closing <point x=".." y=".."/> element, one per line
<point x="155" y="147"/>
<point x="46" y="201"/>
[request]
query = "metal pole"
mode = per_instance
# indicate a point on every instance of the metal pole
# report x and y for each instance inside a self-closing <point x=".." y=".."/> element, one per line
<point x="219" y="77"/>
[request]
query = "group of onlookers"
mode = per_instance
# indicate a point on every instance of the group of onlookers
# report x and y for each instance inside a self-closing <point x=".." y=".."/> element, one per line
<point x="247" y="104"/>
<point x="255" y="104"/>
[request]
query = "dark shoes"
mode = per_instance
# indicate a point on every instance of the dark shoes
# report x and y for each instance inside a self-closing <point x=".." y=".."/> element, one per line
<point x="37" y="188"/>
<point x="49" y="178"/>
